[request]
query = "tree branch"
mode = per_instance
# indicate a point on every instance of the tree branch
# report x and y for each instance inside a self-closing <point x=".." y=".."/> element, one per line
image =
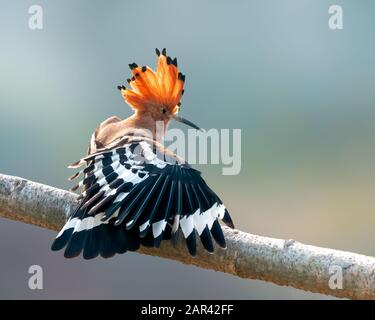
<point x="283" y="262"/>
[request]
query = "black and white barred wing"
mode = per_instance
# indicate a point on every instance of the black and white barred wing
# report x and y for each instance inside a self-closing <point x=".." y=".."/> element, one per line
<point x="131" y="197"/>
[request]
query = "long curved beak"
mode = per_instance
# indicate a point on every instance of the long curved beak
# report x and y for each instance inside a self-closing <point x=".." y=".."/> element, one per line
<point x="187" y="122"/>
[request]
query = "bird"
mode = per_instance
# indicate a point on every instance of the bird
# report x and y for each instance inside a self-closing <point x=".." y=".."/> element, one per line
<point x="134" y="191"/>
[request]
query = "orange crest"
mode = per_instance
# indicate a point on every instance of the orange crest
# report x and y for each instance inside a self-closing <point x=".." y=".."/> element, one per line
<point x="163" y="88"/>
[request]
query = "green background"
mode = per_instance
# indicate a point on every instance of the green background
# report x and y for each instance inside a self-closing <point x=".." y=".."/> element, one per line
<point x="302" y="94"/>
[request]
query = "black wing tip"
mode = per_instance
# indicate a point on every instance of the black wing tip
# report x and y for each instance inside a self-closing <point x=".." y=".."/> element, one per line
<point x="107" y="255"/>
<point x="69" y="255"/>
<point x="143" y="233"/>
<point x="191" y="244"/>
<point x="193" y="253"/>
<point x="207" y="240"/>
<point x="61" y="241"/>
<point x="88" y="256"/>
<point x="217" y="234"/>
<point x="158" y="240"/>
<point x="56" y="247"/>
<point x="228" y="220"/>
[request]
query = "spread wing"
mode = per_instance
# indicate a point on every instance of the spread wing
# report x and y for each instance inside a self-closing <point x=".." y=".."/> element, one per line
<point x="133" y="193"/>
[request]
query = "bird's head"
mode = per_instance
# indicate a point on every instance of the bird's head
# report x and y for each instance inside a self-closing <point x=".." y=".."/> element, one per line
<point x="156" y="94"/>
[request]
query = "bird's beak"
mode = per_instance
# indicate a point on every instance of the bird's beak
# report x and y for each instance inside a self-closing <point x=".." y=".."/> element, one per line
<point x="187" y="122"/>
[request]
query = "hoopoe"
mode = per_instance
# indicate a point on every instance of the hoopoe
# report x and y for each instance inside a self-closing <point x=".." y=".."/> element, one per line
<point x="134" y="191"/>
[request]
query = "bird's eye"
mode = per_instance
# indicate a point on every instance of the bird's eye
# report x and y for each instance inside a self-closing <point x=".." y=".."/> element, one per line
<point x="164" y="111"/>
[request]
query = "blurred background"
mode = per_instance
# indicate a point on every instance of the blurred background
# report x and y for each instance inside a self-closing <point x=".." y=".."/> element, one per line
<point x="302" y="94"/>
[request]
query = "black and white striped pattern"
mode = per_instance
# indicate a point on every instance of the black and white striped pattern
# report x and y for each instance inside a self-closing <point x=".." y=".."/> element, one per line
<point x="130" y="195"/>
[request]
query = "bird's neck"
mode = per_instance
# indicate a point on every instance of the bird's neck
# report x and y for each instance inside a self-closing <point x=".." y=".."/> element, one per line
<point x="145" y="121"/>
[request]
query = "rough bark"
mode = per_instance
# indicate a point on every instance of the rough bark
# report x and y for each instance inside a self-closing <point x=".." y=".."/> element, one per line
<point x="283" y="262"/>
